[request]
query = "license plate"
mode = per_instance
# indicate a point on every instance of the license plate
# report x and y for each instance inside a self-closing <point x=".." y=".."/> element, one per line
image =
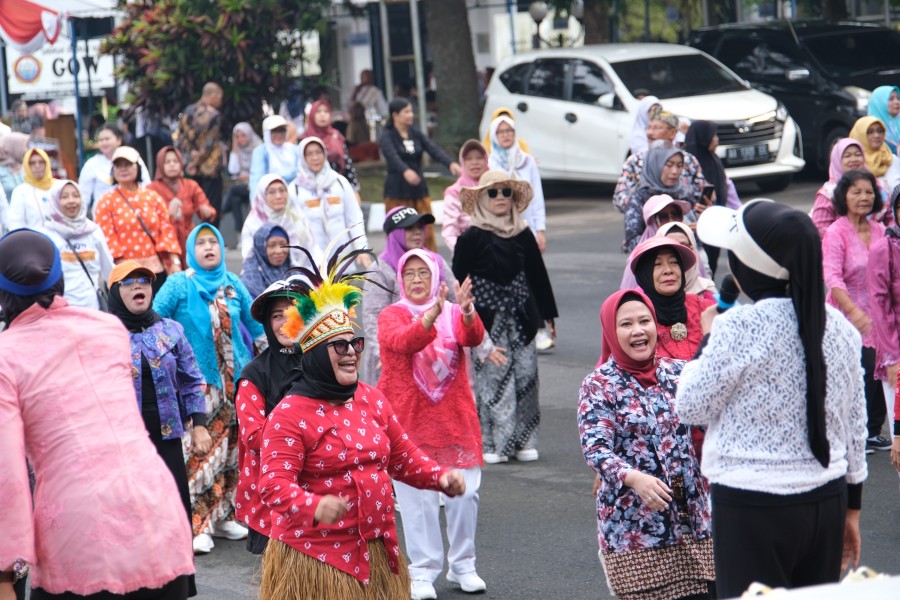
<point x="747" y="154"/>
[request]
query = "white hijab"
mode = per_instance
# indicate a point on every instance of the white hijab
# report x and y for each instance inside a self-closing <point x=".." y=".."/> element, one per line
<point x="281" y="159"/>
<point x="638" y="140"/>
<point x="316" y="183"/>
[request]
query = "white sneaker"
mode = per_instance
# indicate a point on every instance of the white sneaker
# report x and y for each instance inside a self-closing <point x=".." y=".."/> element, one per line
<point x="422" y="590"/>
<point x="526" y="455"/>
<point x="469" y="582"/>
<point x="231" y="530"/>
<point x="492" y="458"/>
<point x="543" y="340"/>
<point x="203" y="544"/>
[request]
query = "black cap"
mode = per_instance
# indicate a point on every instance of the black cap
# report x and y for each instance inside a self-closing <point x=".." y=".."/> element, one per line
<point x="405" y="218"/>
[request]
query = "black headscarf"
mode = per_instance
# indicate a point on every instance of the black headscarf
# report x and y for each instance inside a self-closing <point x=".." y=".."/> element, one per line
<point x="669" y="309"/>
<point x="133" y="322"/>
<point x="696" y="142"/>
<point x="277" y="367"/>
<point x="789" y="237"/>
<point x="318" y="379"/>
<point x="28" y="263"/>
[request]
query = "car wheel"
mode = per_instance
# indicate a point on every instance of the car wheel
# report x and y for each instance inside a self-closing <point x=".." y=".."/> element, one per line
<point x="774" y="184"/>
<point x="831" y="137"/>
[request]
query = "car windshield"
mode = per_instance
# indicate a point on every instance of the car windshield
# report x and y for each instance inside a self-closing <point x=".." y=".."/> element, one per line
<point x="855" y="54"/>
<point x="676" y="77"/>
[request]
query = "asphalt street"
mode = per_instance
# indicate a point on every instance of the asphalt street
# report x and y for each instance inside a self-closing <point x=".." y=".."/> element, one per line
<point x="536" y="527"/>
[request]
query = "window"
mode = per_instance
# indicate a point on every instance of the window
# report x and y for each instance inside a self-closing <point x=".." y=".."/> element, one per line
<point x="589" y="82"/>
<point x="856" y="53"/>
<point x="514" y="78"/>
<point x="676" y="76"/>
<point x="766" y="56"/>
<point x="548" y="79"/>
<point x="735" y="51"/>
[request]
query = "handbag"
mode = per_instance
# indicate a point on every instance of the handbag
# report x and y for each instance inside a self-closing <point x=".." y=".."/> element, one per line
<point x="102" y="291"/>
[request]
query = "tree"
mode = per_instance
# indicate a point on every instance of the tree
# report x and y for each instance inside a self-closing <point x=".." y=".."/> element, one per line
<point x="459" y="107"/>
<point x="167" y="49"/>
<point x="596" y="21"/>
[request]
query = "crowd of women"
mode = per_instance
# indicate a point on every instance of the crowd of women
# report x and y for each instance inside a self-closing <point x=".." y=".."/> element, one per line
<point x="273" y="415"/>
<point x="255" y="408"/>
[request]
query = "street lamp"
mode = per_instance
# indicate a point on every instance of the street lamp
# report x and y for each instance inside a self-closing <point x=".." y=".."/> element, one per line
<point x="538" y="11"/>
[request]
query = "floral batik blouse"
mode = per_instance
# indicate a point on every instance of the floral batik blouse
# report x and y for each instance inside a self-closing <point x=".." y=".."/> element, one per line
<point x="624" y="427"/>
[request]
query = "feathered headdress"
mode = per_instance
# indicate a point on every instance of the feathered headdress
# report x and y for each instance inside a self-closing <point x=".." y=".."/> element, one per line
<point x="328" y="308"/>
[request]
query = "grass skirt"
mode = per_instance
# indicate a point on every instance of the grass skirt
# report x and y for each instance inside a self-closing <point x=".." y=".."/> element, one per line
<point x="288" y="574"/>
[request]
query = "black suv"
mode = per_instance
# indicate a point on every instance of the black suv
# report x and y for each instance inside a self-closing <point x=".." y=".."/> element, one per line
<point x="822" y="71"/>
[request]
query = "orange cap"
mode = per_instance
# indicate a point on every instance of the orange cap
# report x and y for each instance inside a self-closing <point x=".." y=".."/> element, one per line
<point x="126" y="268"/>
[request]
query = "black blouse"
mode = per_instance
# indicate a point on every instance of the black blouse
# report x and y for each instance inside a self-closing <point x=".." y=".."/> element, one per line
<point x="501" y="266"/>
<point x="401" y="154"/>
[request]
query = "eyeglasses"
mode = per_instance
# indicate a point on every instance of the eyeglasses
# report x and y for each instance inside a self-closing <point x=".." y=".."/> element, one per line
<point x="505" y="132"/>
<point x="875" y="131"/>
<point x="342" y="347"/>
<point x="422" y="274"/>
<point x="492" y="192"/>
<point x="134" y="281"/>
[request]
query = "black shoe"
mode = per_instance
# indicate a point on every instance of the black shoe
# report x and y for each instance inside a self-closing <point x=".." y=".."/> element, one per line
<point x="877" y="443"/>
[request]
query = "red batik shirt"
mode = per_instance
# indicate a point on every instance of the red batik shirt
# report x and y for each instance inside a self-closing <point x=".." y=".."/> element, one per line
<point x="311" y="448"/>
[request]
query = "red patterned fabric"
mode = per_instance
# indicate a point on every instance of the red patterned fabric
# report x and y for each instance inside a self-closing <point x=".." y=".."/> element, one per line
<point x="311" y="449"/>
<point x="27" y="26"/>
<point x="686" y="348"/>
<point x="447" y="430"/>
<point x="251" y="415"/>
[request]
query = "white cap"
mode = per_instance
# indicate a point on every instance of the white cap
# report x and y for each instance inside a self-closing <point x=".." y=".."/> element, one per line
<point x="126" y="152"/>
<point x="724" y="228"/>
<point x="274" y="122"/>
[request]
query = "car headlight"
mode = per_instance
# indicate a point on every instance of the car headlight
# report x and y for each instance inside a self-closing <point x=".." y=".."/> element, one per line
<point x="861" y="95"/>
<point x="781" y="112"/>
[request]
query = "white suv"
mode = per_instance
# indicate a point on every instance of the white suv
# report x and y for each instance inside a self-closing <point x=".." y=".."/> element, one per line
<point x="576" y="107"/>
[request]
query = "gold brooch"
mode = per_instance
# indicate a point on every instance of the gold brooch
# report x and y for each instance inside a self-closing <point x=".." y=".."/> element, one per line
<point x="678" y="331"/>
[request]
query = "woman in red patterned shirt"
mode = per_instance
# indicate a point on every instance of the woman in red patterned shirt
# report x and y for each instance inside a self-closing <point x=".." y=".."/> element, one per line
<point x="329" y="452"/>
<point x="135" y="220"/>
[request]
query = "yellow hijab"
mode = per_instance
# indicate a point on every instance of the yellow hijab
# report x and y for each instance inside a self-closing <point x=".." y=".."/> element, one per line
<point x="44" y="182"/>
<point x="879" y="160"/>
<point x="503" y="112"/>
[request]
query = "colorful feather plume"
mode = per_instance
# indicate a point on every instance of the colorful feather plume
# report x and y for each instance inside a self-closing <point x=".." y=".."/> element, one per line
<point x="331" y="286"/>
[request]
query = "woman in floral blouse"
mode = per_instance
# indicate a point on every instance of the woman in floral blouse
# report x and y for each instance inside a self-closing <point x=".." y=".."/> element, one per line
<point x="652" y="503"/>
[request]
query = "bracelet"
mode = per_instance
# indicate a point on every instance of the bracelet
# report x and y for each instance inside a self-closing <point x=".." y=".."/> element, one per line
<point x="470" y="312"/>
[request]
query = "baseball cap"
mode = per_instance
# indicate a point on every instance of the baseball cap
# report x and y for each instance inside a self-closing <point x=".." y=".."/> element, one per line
<point x="127" y="267"/>
<point x="405" y="218"/>
<point x="274" y="122"/>
<point x="126" y="152"/>
<point x="724" y="227"/>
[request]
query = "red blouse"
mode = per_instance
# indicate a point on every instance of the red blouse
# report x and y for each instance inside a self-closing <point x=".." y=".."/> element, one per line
<point x="251" y="415"/>
<point x="311" y="448"/>
<point x="192" y="198"/>
<point x="448" y="430"/>
<point x="686" y="348"/>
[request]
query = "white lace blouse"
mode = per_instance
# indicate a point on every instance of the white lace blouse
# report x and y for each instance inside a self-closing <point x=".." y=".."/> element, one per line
<point x="749" y="387"/>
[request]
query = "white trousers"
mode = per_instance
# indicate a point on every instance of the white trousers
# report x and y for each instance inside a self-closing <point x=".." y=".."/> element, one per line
<point x="420" y="512"/>
<point x="889" y="400"/>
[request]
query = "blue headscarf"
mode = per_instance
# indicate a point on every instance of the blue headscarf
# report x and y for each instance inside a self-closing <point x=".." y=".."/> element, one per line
<point x="878" y="107"/>
<point x="203" y="284"/>
<point x="258" y="273"/>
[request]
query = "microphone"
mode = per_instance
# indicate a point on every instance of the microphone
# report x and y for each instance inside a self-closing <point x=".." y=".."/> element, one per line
<point x="728" y="294"/>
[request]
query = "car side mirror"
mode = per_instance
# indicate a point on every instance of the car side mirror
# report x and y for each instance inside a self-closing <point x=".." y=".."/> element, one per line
<point x="607" y="100"/>
<point x="796" y="74"/>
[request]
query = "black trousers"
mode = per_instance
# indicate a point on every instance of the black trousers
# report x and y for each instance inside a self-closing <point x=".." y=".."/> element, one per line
<point x="780" y="541"/>
<point x="237" y="196"/>
<point x="212" y="187"/>
<point x="875" y="406"/>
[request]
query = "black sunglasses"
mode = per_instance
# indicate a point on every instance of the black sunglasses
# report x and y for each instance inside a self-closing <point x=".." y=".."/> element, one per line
<point x="492" y="192"/>
<point x="342" y="347"/>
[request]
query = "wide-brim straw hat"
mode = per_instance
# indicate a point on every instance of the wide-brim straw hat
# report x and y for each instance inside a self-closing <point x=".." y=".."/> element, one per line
<point x="521" y="191"/>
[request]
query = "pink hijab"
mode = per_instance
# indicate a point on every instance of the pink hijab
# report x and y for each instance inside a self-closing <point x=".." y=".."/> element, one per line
<point x="835" y="170"/>
<point x="435" y="366"/>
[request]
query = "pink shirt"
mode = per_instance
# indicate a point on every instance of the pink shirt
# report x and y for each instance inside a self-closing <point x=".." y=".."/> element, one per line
<point x="107" y="514"/>
<point x="845" y="259"/>
<point x="455" y="222"/>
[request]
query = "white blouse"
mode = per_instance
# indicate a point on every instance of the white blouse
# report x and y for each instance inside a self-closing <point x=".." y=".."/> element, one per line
<point x="749" y="387"/>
